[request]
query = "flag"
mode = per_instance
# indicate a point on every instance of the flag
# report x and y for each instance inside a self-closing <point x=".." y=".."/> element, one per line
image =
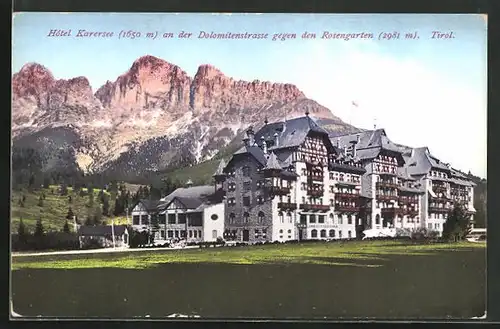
<point x="354" y="104"/>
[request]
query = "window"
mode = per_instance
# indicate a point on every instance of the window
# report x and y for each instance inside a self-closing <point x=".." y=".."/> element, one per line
<point x="231" y="218"/>
<point x="246" y="171"/>
<point x="289" y="215"/>
<point x="349" y="219"/>
<point x="280" y="216"/>
<point x="312" y="218"/>
<point x="377" y="219"/>
<point x="303" y="219"/>
<point x="281" y="231"/>
<point x="332" y="233"/>
<point x="214" y="234"/>
<point x="247" y="186"/>
<point x="162" y="219"/>
<point x="231" y="187"/>
<point x="246" y="217"/>
<point x="195" y="234"/>
<point x="332" y="219"/>
<point x="349" y="234"/>
<point x="170" y="233"/>
<point x="135" y="220"/>
<point x="323" y="233"/>
<point x="261" y="217"/>
<point x="246" y="201"/>
<point x="182" y="218"/>
<point x="264" y="233"/>
<point x="260" y="199"/>
<point x="183" y="234"/>
<point x="314" y="234"/>
<point x="176" y="234"/>
<point x="289" y="231"/>
<point x="214" y="217"/>
<point x="321" y="219"/>
<point x="340" y="234"/>
<point x="190" y="234"/>
<point x="340" y="220"/>
<point x="162" y="234"/>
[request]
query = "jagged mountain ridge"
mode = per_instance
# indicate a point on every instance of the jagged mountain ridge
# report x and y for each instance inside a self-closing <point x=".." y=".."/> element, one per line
<point x="152" y="117"/>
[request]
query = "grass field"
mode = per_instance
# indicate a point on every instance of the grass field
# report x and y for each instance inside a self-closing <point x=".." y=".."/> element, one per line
<point x="376" y="279"/>
<point x="55" y="208"/>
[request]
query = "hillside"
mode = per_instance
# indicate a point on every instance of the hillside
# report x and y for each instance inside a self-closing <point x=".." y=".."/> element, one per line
<point x="55" y="208"/>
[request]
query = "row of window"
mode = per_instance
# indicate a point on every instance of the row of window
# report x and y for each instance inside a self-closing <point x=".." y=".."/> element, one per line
<point x="331" y="234"/>
<point x="193" y="219"/>
<point x="435" y="226"/>
<point x="320" y="219"/>
<point x="181" y="234"/>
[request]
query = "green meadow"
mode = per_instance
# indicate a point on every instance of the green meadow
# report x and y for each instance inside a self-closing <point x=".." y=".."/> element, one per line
<point x="333" y="280"/>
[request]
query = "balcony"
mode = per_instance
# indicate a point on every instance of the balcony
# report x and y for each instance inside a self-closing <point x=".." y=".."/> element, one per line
<point x="348" y="183"/>
<point x="318" y="179"/>
<point x="440" y="209"/>
<point x="392" y="211"/>
<point x="383" y="197"/>
<point x="411" y="212"/>
<point x="346" y="208"/>
<point x="439" y="188"/>
<point x="386" y="184"/>
<point x="287" y="205"/>
<point x="347" y="195"/>
<point x="407" y="200"/>
<point x="315" y="193"/>
<point x="279" y="190"/>
<point x="314" y="207"/>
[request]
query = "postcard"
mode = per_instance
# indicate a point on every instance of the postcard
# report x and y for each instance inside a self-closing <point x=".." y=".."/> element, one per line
<point x="248" y="166"/>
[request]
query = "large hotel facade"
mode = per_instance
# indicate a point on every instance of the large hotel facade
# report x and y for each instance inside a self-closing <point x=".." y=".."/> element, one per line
<point x="292" y="180"/>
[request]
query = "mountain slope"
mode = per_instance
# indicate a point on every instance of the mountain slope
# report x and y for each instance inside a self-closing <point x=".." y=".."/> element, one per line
<point x="154" y="117"/>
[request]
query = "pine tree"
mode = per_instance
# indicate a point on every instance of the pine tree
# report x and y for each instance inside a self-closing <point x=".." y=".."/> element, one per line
<point x="40" y="201"/>
<point x="39" y="230"/>
<point x="64" y="189"/>
<point x="457" y="226"/>
<point x="21" y="231"/>
<point x="101" y="196"/>
<point x="105" y="207"/>
<point x="66" y="227"/>
<point x="97" y="218"/>
<point x="89" y="221"/>
<point x="70" y="214"/>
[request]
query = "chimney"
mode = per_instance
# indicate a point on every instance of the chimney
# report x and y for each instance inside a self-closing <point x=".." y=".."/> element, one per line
<point x="307" y="113"/>
<point x="276" y="140"/>
<point x="338" y="142"/>
<point x="357" y="138"/>
<point x="264" y="145"/>
<point x="265" y="121"/>
<point x="412" y="153"/>
<point x="250" y="135"/>
<point x="355" y="146"/>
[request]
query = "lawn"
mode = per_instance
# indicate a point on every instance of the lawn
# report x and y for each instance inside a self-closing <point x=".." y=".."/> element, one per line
<point x="376" y="279"/>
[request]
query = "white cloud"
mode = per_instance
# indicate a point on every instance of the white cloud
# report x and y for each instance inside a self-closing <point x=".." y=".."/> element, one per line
<point x="415" y="105"/>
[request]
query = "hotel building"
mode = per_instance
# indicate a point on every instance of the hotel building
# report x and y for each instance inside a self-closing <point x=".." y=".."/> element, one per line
<point x="292" y="180"/>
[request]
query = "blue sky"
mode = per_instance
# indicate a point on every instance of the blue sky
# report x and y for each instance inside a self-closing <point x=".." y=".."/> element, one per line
<point x="423" y="92"/>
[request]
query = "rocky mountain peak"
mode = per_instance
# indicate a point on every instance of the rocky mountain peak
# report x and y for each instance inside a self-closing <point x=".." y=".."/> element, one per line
<point x="32" y="80"/>
<point x="150" y="82"/>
